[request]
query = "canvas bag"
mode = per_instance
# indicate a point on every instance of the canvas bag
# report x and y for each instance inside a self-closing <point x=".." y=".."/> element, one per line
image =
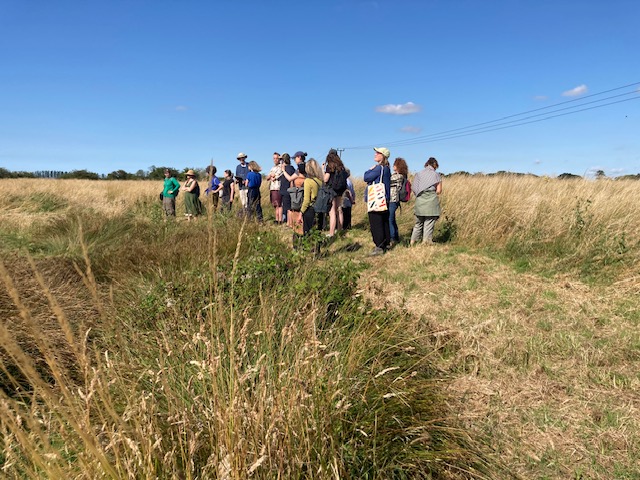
<point x="376" y="196"/>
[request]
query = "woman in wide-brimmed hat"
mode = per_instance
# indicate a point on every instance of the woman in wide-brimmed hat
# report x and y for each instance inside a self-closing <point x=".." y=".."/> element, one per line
<point x="192" y="202"/>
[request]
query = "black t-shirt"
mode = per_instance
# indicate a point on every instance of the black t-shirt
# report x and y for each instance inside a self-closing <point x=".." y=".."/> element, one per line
<point x="227" y="185"/>
<point x="284" y="183"/>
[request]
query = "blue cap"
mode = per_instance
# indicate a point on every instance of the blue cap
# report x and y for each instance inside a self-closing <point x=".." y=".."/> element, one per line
<point x="300" y="154"/>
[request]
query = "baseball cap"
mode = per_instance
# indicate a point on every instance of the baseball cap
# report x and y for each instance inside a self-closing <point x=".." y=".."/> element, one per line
<point x="383" y="151"/>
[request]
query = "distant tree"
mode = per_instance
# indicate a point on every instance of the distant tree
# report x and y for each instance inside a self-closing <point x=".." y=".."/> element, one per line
<point x="600" y="174"/>
<point x="81" y="174"/>
<point x="568" y="176"/>
<point x="140" y="173"/>
<point x="155" y="173"/>
<point x="4" y="173"/>
<point x="119" y="175"/>
<point x="629" y="177"/>
<point x="503" y="173"/>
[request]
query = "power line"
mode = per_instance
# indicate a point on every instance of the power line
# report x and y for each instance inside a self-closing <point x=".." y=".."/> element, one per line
<point x="489" y="125"/>
<point x="491" y="129"/>
<point x="513" y="123"/>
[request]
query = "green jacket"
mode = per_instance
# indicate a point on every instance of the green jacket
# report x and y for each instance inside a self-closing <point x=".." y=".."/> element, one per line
<point x="171" y="188"/>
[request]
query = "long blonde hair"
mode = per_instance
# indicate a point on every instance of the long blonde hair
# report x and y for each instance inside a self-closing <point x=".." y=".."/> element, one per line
<point x="254" y="167"/>
<point x="313" y="169"/>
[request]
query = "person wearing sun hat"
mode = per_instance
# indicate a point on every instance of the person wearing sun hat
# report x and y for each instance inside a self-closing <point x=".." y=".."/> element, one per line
<point x="192" y="202"/>
<point x="379" y="221"/>
<point x="242" y="169"/>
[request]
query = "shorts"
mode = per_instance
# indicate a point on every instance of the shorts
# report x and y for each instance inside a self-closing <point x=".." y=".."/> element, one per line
<point x="276" y="198"/>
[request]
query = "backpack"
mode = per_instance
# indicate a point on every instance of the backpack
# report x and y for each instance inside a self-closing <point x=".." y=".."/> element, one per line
<point x="297" y="197"/>
<point x="338" y="181"/>
<point x="322" y="204"/>
<point x="404" y="194"/>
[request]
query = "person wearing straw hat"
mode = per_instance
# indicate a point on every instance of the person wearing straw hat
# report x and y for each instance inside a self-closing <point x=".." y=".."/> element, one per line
<point x="192" y="202"/>
<point x="242" y="169"/>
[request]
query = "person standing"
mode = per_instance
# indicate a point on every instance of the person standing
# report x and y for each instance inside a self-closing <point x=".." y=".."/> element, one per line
<point x="427" y="186"/>
<point x="311" y="186"/>
<point x="215" y="186"/>
<point x="285" y="166"/>
<point x="296" y="179"/>
<point x="253" y="182"/>
<point x="228" y="192"/>
<point x="334" y="169"/>
<point x="379" y="221"/>
<point x="274" y="179"/>
<point x="169" y="193"/>
<point x="400" y="173"/>
<point x="192" y="203"/>
<point x="242" y="169"/>
<point x="348" y="201"/>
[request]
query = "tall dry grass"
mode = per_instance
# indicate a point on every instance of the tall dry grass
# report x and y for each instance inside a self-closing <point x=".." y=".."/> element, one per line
<point x="204" y="350"/>
<point x="188" y="350"/>
<point x="583" y="227"/>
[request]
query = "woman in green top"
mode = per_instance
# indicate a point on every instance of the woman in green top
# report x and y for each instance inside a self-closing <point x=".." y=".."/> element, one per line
<point x="169" y="192"/>
<point x="312" y="184"/>
<point x="192" y="202"/>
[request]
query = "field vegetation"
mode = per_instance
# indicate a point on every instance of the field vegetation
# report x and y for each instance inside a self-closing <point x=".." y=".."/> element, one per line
<point x="131" y="347"/>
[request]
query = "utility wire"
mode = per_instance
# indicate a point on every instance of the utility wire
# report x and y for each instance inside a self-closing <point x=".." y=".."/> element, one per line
<point x="492" y="129"/>
<point x="513" y="123"/>
<point x="430" y="137"/>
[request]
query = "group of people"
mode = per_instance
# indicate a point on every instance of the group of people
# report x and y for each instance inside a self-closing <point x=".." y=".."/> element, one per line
<point x="426" y="186"/>
<point x="293" y="176"/>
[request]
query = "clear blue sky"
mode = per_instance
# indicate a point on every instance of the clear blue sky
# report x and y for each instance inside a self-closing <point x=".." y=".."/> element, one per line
<point x="108" y="85"/>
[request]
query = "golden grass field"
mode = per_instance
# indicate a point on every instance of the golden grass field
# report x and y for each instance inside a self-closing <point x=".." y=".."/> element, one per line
<point x="527" y="310"/>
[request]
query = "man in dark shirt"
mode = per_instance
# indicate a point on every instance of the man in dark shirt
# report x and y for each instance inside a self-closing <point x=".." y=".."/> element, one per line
<point x="241" y="175"/>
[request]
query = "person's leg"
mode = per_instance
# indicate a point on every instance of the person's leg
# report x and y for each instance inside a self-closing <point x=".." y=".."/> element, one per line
<point x="258" y="204"/>
<point x="215" y="199"/>
<point x="393" y="226"/>
<point x="286" y="206"/>
<point x="429" y="225"/>
<point x="308" y="220"/>
<point x="250" y="202"/>
<point x="169" y="206"/>
<point x="385" y="230"/>
<point x="333" y="216"/>
<point x="346" y="218"/>
<point x="418" y="227"/>
<point x="376" y="221"/>
<point x="244" y="198"/>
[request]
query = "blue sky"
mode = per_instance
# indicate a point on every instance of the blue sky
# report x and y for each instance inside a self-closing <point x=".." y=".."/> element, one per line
<point x="108" y="85"/>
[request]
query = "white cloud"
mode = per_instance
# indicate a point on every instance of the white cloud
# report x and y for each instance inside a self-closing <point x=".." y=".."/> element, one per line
<point x="411" y="129"/>
<point x="574" y="92"/>
<point x="181" y="108"/>
<point x="402" y="109"/>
